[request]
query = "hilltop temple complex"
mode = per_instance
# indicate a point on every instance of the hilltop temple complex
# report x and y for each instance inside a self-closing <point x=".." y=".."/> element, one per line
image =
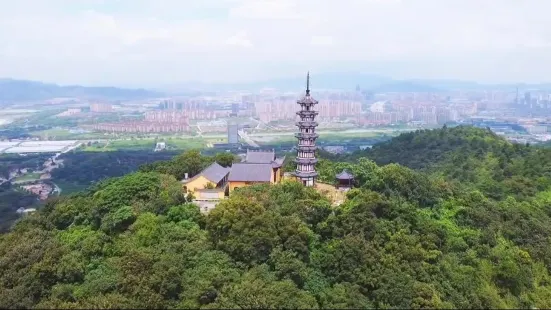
<point x="260" y="167"/>
<point x="217" y="182"/>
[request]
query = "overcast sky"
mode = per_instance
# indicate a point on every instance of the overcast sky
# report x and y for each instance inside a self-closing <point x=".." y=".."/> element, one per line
<point x="166" y="42"/>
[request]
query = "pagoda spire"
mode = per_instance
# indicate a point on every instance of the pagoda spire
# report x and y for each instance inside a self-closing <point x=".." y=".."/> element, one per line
<point x="308" y="84"/>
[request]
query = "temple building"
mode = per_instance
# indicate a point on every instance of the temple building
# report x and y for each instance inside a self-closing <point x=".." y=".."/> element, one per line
<point x="209" y="184"/>
<point x="258" y="167"/>
<point x="345" y="180"/>
<point x="216" y="182"/>
<point x="306" y="147"/>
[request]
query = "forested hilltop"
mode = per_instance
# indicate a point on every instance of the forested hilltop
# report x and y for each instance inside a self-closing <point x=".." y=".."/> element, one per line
<point x="424" y="234"/>
<point x="474" y="157"/>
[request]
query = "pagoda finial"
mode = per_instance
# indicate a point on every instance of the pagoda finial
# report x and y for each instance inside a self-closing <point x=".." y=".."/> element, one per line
<point x="308" y="84"/>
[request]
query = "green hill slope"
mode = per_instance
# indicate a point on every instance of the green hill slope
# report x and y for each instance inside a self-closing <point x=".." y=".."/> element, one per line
<point x="472" y="156"/>
<point x="425" y="148"/>
<point x="402" y="239"/>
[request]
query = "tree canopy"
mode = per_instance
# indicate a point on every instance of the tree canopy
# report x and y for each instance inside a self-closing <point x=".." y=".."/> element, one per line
<point x="405" y="237"/>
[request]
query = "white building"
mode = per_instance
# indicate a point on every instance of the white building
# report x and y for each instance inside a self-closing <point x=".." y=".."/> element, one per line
<point x="378" y="107"/>
<point x="160" y="146"/>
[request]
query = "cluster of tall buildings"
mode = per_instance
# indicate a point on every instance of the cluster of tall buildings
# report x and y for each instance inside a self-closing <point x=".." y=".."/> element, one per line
<point x="70" y="112"/>
<point x="267" y="107"/>
<point x="534" y="103"/>
<point x="154" y="121"/>
<point x="533" y="98"/>
<point x="167" y="117"/>
<point x="284" y="108"/>
<point x="94" y="108"/>
<point x="196" y="109"/>
<point x="389" y="113"/>
<point x="101" y="108"/>
<point x="142" y="127"/>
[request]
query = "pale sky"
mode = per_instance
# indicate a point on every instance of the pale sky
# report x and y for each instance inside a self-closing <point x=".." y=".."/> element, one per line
<point x="151" y="43"/>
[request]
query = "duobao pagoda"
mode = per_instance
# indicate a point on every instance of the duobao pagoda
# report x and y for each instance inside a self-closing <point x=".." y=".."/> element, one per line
<point x="306" y="148"/>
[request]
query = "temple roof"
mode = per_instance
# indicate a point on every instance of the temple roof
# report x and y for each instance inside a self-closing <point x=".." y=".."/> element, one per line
<point x="214" y="173"/>
<point x="263" y="157"/>
<point x="344" y="175"/>
<point x="247" y="172"/>
<point x="278" y="162"/>
<point x="260" y="157"/>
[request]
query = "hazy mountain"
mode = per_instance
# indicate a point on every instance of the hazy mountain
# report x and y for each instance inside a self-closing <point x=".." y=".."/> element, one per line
<point x="405" y="86"/>
<point x="344" y="81"/>
<point x="21" y="90"/>
<point x="349" y="81"/>
<point x="446" y="84"/>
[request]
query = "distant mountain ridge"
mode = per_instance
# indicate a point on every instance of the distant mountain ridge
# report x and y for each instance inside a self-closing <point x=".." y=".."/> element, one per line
<point x="21" y="90"/>
<point x="367" y="82"/>
<point x="329" y="81"/>
<point x="12" y="90"/>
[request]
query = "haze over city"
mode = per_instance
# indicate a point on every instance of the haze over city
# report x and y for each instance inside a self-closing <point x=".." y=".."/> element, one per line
<point x="161" y="44"/>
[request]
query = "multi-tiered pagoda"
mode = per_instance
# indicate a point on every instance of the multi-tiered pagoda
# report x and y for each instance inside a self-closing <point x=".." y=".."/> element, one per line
<point x="306" y="148"/>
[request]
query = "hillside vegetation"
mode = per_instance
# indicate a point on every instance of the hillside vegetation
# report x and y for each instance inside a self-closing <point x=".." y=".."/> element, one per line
<point x="404" y="238"/>
<point x="81" y="169"/>
<point x="476" y="158"/>
<point x="11" y="196"/>
<point x="11" y="199"/>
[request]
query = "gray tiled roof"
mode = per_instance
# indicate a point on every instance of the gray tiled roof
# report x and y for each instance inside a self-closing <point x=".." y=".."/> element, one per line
<point x="260" y="157"/>
<point x="215" y="173"/>
<point x="345" y="175"/>
<point x="247" y="172"/>
<point x="278" y="162"/>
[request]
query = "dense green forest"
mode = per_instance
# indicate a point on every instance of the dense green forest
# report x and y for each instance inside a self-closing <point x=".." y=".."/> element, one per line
<point x="11" y="162"/>
<point x="11" y="196"/>
<point x="82" y="169"/>
<point x="476" y="158"/>
<point x="11" y="199"/>
<point x="15" y="132"/>
<point x="423" y="233"/>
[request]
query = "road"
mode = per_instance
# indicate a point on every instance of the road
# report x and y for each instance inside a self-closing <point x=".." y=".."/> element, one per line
<point x="247" y="139"/>
<point x="46" y="163"/>
<point x="57" y="189"/>
<point x="335" y="132"/>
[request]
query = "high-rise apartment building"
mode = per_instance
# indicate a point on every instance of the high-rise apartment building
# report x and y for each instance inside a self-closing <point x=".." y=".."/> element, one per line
<point x="101" y="108"/>
<point x="233" y="133"/>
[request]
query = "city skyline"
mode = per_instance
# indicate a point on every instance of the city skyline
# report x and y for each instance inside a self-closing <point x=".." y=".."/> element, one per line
<point x="159" y="43"/>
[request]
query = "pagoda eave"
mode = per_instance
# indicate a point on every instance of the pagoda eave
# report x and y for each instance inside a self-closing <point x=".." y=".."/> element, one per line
<point x="307" y="113"/>
<point x="307" y="124"/>
<point x="307" y="100"/>
<point x="302" y="135"/>
<point x="299" y="160"/>
<point x="304" y="174"/>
